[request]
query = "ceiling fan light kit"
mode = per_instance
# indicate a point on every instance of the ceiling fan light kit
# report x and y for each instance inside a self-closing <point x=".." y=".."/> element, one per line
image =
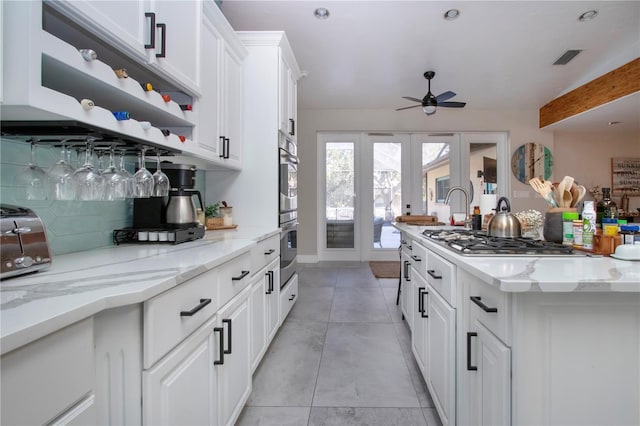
<point x="429" y="102"/>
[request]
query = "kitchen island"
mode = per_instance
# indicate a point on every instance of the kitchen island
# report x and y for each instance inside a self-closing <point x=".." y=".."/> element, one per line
<point x="523" y="339"/>
<point x="87" y="340"/>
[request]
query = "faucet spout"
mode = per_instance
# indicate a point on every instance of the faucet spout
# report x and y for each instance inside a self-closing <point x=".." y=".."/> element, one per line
<point x="466" y="202"/>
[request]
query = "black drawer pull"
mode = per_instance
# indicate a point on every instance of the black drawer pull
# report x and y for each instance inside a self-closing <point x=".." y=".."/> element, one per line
<point x="403" y="242"/>
<point x="268" y="252"/>
<point x="432" y="273"/>
<point x="152" y="30"/>
<point x="269" y="274"/>
<point x="406" y="270"/>
<point x="163" y="41"/>
<point x="293" y="296"/>
<point x="202" y="304"/>
<point x="222" y="145"/>
<point x="228" y="321"/>
<point x="410" y="247"/>
<point x="423" y="313"/>
<point x="241" y="276"/>
<point x="478" y="301"/>
<point x="469" y="366"/>
<point x="221" y="344"/>
<point x="226" y="154"/>
<point x="416" y="258"/>
<point x="420" y="300"/>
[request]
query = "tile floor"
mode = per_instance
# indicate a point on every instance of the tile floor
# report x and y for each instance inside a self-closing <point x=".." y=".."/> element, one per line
<point x="342" y="357"/>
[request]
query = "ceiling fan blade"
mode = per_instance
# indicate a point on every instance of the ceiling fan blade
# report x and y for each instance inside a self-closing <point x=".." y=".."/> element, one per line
<point x="445" y="96"/>
<point x="409" y="98"/>
<point x="409" y="107"/>
<point x="452" y="104"/>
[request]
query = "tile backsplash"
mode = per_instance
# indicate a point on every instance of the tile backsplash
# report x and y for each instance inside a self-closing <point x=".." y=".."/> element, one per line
<point x="71" y="226"/>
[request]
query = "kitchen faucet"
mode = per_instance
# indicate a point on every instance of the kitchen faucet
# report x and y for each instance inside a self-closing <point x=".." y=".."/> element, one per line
<point x="466" y="203"/>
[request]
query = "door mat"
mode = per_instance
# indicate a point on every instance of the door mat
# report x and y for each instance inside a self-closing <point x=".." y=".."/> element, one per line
<point x="385" y="269"/>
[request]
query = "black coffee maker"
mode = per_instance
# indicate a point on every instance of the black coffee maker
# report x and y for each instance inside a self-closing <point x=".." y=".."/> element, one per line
<point x="176" y="211"/>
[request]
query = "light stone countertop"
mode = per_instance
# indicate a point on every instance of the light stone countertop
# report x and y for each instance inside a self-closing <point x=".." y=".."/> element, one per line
<point x="79" y="285"/>
<point x="541" y="273"/>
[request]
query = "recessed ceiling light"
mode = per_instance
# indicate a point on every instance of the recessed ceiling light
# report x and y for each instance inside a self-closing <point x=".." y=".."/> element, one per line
<point x="321" y="13"/>
<point x="451" y="14"/>
<point x="588" y="15"/>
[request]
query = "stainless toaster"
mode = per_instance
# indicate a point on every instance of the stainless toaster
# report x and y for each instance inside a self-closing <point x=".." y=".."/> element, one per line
<point x="23" y="242"/>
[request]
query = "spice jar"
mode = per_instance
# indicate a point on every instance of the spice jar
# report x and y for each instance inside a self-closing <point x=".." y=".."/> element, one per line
<point x="577" y="233"/>
<point x="630" y="234"/>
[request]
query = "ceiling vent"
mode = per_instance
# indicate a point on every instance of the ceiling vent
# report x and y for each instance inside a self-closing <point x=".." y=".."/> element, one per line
<point x="566" y="57"/>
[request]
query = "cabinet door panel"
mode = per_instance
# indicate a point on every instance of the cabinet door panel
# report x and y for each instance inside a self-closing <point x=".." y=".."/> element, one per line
<point x="418" y="333"/>
<point x="258" y="318"/>
<point x="273" y="303"/>
<point x="441" y="356"/>
<point x="491" y="382"/>
<point x="208" y="128"/>
<point x="232" y="104"/>
<point x="180" y="389"/>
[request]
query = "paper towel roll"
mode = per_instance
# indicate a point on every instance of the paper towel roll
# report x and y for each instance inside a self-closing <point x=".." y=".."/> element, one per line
<point x="488" y="203"/>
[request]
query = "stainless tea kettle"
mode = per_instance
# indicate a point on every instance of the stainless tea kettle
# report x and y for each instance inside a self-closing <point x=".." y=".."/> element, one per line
<point x="181" y="210"/>
<point x="503" y="223"/>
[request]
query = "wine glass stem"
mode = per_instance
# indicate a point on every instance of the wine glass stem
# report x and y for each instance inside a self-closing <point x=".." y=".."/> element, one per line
<point x="33" y="153"/>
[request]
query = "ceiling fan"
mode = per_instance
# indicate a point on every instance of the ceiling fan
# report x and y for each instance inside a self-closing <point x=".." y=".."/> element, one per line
<point x="430" y="102"/>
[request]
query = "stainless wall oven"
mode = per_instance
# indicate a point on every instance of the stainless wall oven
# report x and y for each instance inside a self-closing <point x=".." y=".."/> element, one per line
<point x="288" y="206"/>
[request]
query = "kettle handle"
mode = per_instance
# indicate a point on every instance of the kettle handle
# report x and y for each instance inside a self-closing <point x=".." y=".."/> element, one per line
<point x="506" y="201"/>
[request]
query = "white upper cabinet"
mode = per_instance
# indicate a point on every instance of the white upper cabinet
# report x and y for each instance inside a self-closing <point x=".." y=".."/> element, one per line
<point x="288" y="99"/>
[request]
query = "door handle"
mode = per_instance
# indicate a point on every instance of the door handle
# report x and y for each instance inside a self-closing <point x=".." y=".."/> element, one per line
<point x="416" y="258"/>
<point x="268" y="252"/>
<point x="469" y="366"/>
<point x="432" y="274"/>
<point x="228" y="322"/>
<point x="241" y="276"/>
<point x="201" y="305"/>
<point x="221" y="155"/>
<point x="293" y="296"/>
<point x="423" y="313"/>
<point x="226" y="155"/>
<point x="478" y="301"/>
<point x="420" y="300"/>
<point x="270" y="285"/>
<point x="221" y="344"/>
<point x="163" y="41"/>
<point x="152" y="30"/>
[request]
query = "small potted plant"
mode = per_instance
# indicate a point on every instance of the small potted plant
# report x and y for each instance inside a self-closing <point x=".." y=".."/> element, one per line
<point x="212" y="216"/>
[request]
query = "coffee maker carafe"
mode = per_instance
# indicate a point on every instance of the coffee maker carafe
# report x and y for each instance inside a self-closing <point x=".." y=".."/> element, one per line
<point x="181" y="209"/>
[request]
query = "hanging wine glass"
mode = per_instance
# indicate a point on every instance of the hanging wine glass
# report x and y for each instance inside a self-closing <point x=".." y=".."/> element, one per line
<point x="113" y="181"/>
<point x="130" y="182"/>
<point x="87" y="181"/>
<point x="59" y="183"/>
<point x="161" y="183"/>
<point x="143" y="177"/>
<point x="30" y="182"/>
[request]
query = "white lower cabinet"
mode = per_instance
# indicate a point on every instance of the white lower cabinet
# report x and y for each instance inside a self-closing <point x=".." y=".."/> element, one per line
<point x="288" y="297"/>
<point x="234" y="370"/>
<point x="441" y="355"/>
<point x="181" y="388"/>
<point x="419" y="331"/>
<point x="489" y="372"/>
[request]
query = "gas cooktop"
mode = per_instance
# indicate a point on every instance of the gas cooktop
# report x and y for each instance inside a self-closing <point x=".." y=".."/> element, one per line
<point x="478" y="243"/>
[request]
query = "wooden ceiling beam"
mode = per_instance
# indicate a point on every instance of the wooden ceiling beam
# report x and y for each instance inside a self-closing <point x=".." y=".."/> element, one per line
<point x="615" y="84"/>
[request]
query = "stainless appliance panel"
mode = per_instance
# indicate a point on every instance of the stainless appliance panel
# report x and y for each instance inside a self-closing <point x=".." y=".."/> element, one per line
<point x="288" y="175"/>
<point x="24" y="242"/>
<point x="288" y="251"/>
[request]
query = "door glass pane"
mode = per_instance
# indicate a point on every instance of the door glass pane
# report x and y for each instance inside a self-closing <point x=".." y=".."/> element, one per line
<point x="435" y="182"/>
<point x="340" y="194"/>
<point x="387" y="194"/>
<point x="483" y="175"/>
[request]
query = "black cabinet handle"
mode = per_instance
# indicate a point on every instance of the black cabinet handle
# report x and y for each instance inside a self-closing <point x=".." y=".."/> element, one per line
<point x="226" y="153"/>
<point x="228" y="321"/>
<point x="420" y="300"/>
<point x="469" y="366"/>
<point x="221" y="147"/>
<point x="423" y="313"/>
<point x="293" y="296"/>
<point x="403" y="242"/>
<point x="152" y="30"/>
<point x="406" y="270"/>
<point x="241" y="276"/>
<point x="268" y="252"/>
<point x="202" y="304"/>
<point x="293" y="127"/>
<point x="221" y="344"/>
<point x="478" y="301"/>
<point x="269" y="274"/>
<point x="432" y="273"/>
<point x="163" y="41"/>
<point x="416" y="258"/>
<point x="410" y="247"/>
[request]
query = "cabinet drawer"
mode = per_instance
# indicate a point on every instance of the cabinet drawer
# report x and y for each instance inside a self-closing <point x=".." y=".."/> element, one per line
<point x="288" y="297"/>
<point x="419" y="258"/>
<point x="233" y="277"/>
<point x="43" y="379"/>
<point x="264" y="253"/>
<point x="491" y="307"/>
<point x="441" y="275"/>
<point x="173" y="315"/>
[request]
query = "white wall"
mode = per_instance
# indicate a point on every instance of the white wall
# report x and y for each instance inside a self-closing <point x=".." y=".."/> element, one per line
<point x="521" y="125"/>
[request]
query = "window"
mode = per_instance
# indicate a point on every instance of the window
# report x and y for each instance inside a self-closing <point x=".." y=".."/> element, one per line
<point x="442" y="187"/>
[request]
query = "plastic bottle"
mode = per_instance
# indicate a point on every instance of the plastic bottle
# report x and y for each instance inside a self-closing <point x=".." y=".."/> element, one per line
<point x="567" y="227"/>
<point x="588" y="224"/>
